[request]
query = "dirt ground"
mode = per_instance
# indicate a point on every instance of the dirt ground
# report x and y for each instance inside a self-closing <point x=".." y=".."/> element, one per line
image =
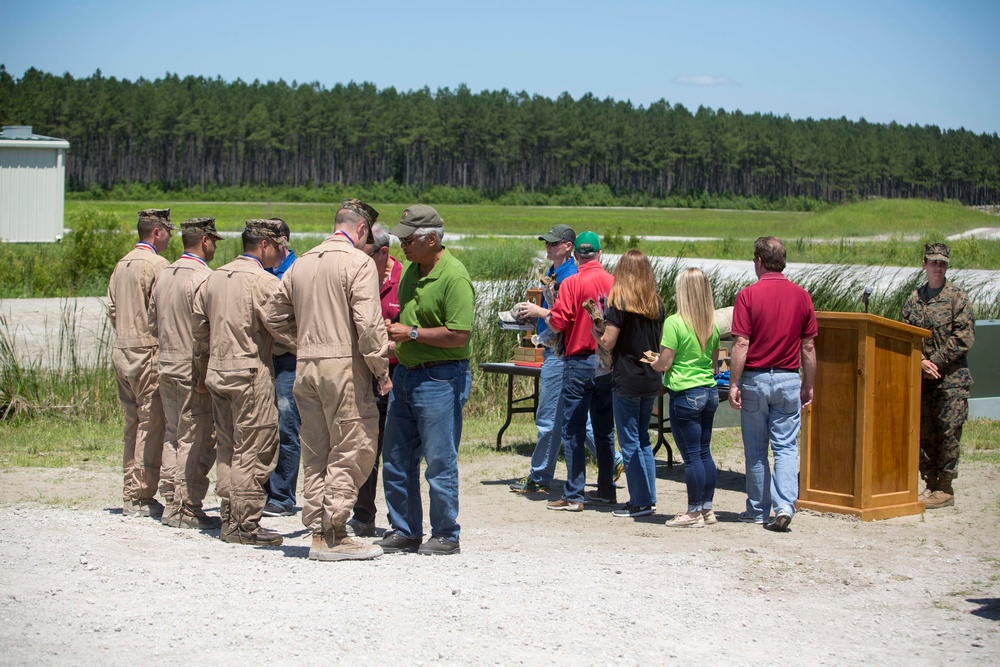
<point x="80" y="584"/>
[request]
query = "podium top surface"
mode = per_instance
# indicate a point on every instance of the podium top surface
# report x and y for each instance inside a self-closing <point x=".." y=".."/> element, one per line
<point x="832" y="316"/>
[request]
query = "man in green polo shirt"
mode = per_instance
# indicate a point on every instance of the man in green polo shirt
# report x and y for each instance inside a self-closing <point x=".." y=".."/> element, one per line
<point x="430" y="387"/>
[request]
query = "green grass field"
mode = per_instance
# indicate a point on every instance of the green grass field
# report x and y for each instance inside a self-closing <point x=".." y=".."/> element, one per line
<point x="890" y="217"/>
<point x="55" y="443"/>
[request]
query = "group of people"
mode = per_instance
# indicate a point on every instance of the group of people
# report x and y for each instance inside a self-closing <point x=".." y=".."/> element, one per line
<point x="773" y="329"/>
<point x="374" y="354"/>
<point x="345" y="355"/>
<point x="772" y="377"/>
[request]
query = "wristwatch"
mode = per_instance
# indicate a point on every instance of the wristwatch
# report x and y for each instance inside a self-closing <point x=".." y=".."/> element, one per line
<point x="413" y="333"/>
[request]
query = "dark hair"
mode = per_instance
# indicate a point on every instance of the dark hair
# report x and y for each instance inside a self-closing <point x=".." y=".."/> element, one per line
<point x="283" y="228"/>
<point x="146" y="227"/>
<point x="771" y="253"/>
<point x="192" y="239"/>
<point x="251" y="241"/>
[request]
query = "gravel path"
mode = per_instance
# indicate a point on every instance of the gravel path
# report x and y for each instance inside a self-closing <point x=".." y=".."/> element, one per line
<point x="83" y="585"/>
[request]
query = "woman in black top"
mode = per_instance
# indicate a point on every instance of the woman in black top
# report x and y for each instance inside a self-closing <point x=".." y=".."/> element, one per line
<point x="634" y="317"/>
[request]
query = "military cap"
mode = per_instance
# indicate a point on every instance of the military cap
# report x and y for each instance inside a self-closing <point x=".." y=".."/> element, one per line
<point x="558" y="234"/>
<point x="269" y="229"/>
<point x="204" y="226"/>
<point x="365" y="211"/>
<point x="362" y="209"/>
<point x="160" y="215"/>
<point x="418" y="216"/>
<point x="936" y="251"/>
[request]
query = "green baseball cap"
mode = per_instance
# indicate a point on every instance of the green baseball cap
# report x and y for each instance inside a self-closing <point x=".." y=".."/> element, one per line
<point x="587" y="243"/>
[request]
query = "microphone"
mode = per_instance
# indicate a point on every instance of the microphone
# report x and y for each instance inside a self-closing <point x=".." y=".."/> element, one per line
<point x="867" y="293"/>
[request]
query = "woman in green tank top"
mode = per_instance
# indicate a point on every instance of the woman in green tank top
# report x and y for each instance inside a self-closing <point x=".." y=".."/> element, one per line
<point x="688" y="356"/>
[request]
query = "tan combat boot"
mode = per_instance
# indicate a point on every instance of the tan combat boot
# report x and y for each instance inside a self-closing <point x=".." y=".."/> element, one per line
<point x="943" y="497"/>
<point x="337" y="545"/>
<point x="317" y="544"/>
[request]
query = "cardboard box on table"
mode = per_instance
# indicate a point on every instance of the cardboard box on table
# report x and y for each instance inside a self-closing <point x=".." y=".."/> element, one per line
<point x="861" y="435"/>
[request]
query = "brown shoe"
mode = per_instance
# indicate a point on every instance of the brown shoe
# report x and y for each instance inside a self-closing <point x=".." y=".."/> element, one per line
<point x="335" y="545"/>
<point x="393" y="543"/>
<point x="924" y="495"/>
<point x="939" y="499"/>
<point x="563" y="505"/>
<point x="262" y="537"/>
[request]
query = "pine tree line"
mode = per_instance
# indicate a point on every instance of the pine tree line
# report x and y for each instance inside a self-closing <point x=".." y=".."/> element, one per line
<point x="196" y="131"/>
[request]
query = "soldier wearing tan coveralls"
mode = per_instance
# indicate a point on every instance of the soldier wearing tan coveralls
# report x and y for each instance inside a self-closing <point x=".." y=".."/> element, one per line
<point x="329" y="305"/>
<point x="190" y="432"/>
<point x="135" y="362"/>
<point x="233" y="352"/>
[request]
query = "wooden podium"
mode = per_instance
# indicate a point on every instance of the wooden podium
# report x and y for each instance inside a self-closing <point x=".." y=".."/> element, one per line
<point x="861" y="435"/>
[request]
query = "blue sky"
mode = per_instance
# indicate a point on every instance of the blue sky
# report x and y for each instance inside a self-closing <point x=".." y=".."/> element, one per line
<point x="928" y="63"/>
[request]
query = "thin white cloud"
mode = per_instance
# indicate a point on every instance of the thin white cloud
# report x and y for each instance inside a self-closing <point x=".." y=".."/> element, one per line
<point x="706" y="80"/>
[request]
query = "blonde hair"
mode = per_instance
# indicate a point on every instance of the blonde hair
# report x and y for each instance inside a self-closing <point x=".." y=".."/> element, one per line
<point x="634" y="289"/>
<point x="694" y="303"/>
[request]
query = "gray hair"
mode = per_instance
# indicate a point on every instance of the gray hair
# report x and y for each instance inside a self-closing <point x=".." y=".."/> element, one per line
<point x="429" y="231"/>
<point x="381" y="236"/>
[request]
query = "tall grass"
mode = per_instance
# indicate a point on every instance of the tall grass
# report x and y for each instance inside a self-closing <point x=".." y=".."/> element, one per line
<point x="65" y="381"/>
<point x="69" y="384"/>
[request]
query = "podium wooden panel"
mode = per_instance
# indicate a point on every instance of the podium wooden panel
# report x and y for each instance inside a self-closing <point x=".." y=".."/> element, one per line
<point x="861" y="435"/>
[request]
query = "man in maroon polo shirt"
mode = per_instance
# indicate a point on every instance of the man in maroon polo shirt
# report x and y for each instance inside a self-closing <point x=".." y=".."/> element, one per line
<point x="774" y="329"/>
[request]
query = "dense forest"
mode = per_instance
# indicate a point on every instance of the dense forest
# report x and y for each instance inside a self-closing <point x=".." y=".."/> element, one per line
<point x="198" y="132"/>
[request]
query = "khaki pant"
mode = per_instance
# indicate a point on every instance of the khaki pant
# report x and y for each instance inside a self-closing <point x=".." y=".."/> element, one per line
<point x="139" y="393"/>
<point x="338" y="433"/>
<point x="246" y="426"/>
<point x="190" y="436"/>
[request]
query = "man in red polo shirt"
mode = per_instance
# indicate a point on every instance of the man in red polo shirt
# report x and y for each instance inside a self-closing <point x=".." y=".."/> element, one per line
<point x="583" y="390"/>
<point x="774" y="328"/>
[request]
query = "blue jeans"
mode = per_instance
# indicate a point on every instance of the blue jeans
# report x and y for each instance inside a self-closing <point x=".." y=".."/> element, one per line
<point x="692" y="412"/>
<point x="549" y="421"/>
<point x="584" y="395"/>
<point x="632" y="414"/>
<point x="771" y="412"/>
<point x="424" y="420"/>
<point x="281" y="485"/>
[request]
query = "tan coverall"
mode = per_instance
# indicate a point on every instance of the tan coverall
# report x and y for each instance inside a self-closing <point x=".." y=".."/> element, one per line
<point x="135" y="361"/>
<point x="328" y="306"/>
<point x="190" y="429"/>
<point x="233" y="352"/>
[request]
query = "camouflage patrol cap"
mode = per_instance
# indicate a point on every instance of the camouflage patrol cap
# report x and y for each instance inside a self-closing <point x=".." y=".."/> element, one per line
<point x="204" y="226"/>
<point x="365" y="211"/>
<point x="160" y="215"/>
<point x="269" y="229"/>
<point x="418" y="216"/>
<point x="936" y="252"/>
<point x="361" y="208"/>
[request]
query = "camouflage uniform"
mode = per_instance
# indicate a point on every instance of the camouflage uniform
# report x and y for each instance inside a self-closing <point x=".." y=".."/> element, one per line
<point x="944" y="402"/>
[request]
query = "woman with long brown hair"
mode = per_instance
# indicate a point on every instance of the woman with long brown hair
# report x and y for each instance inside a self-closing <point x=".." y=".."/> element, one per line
<point x="634" y="316"/>
<point x="688" y="355"/>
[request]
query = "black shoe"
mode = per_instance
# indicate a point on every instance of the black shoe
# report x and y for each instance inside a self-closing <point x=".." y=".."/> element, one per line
<point x="396" y="543"/>
<point x="595" y="497"/>
<point x="780" y="523"/>
<point x="361" y="529"/>
<point x="274" y="509"/>
<point x="439" y="546"/>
